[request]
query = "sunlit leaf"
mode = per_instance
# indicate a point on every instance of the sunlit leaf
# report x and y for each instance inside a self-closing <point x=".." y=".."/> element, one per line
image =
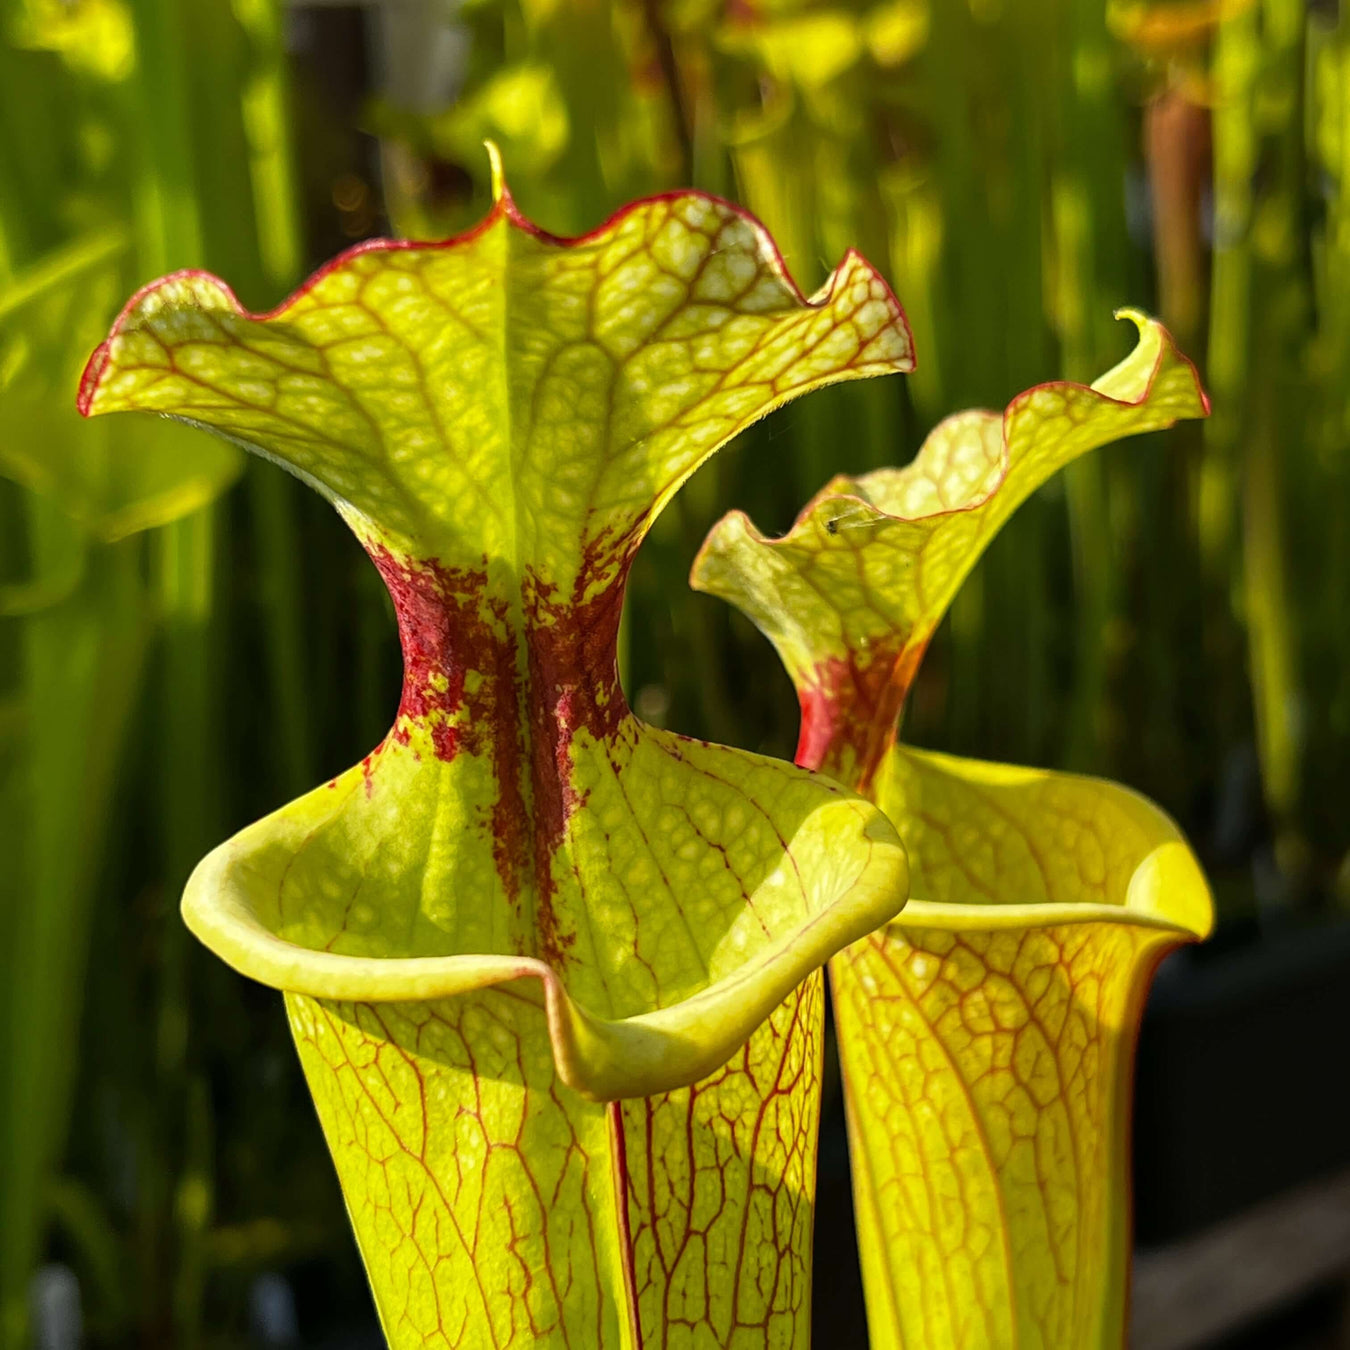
<point x="851" y="596"/>
<point x="808" y="49"/>
<point x="987" y="1041"/>
<point x="986" y="1035"/>
<point x="1171" y="28"/>
<point x="526" y="903"/>
<point x="896" y="31"/>
<point x="93" y="37"/>
<point x="520" y="107"/>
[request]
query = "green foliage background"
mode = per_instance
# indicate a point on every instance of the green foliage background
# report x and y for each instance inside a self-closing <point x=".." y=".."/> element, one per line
<point x="185" y="642"/>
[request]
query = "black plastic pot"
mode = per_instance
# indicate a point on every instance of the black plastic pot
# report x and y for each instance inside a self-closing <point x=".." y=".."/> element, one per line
<point x="1243" y="1075"/>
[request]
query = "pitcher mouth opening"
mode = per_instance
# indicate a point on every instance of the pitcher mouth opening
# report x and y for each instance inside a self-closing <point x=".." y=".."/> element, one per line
<point x="651" y="1051"/>
<point x="1167" y="891"/>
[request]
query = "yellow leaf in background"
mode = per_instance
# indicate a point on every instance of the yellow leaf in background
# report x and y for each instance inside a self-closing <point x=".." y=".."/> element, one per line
<point x="93" y="37"/>
<point x="1169" y="28"/>
<point x="897" y="31"/>
<point x="521" y="108"/>
<point x="808" y="50"/>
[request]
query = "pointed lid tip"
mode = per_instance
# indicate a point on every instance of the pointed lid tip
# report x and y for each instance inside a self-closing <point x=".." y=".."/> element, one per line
<point x="499" y="188"/>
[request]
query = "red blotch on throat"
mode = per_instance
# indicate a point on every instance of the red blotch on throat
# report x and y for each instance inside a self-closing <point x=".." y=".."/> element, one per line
<point x="516" y="682"/>
<point x="851" y="708"/>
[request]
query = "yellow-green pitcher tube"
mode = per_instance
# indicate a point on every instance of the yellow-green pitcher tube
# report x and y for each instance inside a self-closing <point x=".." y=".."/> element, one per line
<point x="553" y="974"/>
<point x="987" y="1041"/>
<point x="987" y="1033"/>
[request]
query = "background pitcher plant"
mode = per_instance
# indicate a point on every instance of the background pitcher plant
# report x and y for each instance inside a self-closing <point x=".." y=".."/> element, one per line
<point x="514" y="936"/>
<point x="986" y="1035"/>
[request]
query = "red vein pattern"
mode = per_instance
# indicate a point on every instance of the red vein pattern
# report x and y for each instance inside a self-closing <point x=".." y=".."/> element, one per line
<point x="722" y="1189"/>
<point x="994" y="1071"/>
<point x="500" y="417"/>
<point x="435" y="1112"/>
<point x="986" y="1034"/>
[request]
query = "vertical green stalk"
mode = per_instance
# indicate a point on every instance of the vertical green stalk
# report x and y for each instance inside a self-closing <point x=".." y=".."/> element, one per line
<point x="272" y="497"/>
<point x="72" y="635"/>
<point x="1269" y="631"/>
<point x="263" y="101"/>
<point x="968" y="288"/>
<point x="188" y="781"/>
<point x="188" y="772"/>
<point x="1236" y="58"/>
<point x="1091" y="253"/>
<point x="276" y="533"/>
<point x="1327" y="490"/>
<point x="1258" y="123"/>
<point x="985" y="79"/>
<point x="1285" y="312"/>
<point x="915" y="214"/>
<point x="80" y="662"/>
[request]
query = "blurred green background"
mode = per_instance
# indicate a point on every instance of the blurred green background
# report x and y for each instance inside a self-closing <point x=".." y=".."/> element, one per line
<point x="187" y="640"/>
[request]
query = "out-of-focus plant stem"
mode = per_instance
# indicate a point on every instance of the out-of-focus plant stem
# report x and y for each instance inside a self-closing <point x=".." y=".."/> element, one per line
<point x="1257" y="132"/>
<point x="170" y="221"/>
<point x="80" y="662"/>
<point x="1328" y="651"/>
<point x="1090" y="280"/>
<point x="263" y="99"/>
<point x="1284" y="306"/>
